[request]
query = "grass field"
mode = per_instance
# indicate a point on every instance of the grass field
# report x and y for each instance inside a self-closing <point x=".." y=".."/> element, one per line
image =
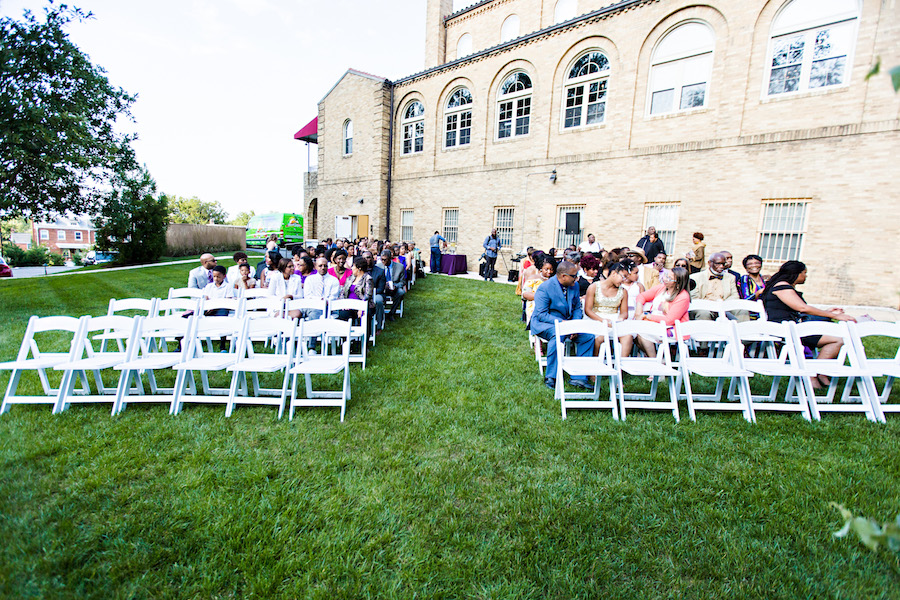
<point x="452" y="477"/>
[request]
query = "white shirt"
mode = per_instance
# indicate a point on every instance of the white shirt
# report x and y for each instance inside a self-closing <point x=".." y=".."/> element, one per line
<point x="279" y="287"/>
<point x="233" y="275"/>
<point x="214" y="292"/>
<point x="327" y="287"/>
<point x="586" y="246"/>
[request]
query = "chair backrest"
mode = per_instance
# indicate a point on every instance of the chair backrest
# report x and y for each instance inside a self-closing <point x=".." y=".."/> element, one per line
<point x="185" y="293"/>
<point x="324" y="329"/>
<point x="714" y="306"/>
<point x="721" y="331"/>
<point x="235" y="305"/>
<point x="752" y="306"/>
<point x="145" y="306"/>
<point x="283" y="330"/>
<point x="256" y="292"/>
<point x="347" y="304"/>
<point x="177" y="306"/>
<point x="598" y="329"/>
<point x="69" y="325"/>
<point x="769" y="332"/>
<point x="653" y="330"/>
<point x="152" y="329"/>
<point x="263" y="307"/>
<point x="109" y="324"/>
<point x="829" y="328"/>
<point x="307" y="304"/>
<point x="865" y="329"/>
<point x="209" y="327"/>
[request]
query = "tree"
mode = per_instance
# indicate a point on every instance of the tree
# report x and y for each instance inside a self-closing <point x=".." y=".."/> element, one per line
<point x="132" y="221"/>
<point x="194" y="210"/>
<point x="10" y="226"/>
<point x="58" y="147"/>
<point x="242" y="218"/>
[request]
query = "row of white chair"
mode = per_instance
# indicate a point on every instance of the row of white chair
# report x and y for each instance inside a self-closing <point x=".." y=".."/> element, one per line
<point x="146" y="352"/>
<point x="780" y="356"/>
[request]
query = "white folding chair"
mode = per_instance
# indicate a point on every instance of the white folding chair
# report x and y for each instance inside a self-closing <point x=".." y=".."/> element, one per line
<point x="878" y="367"/>
<point x="264" y="307"/>
<point x="176" y="307"/>
<point x="645" y="366"/>
<point x="49" y="333"/>
<point x="777" y="359"/>
<point x="185" y="293"/>
<point x="307" y="364"/>
<point x="753" y="307"/>
<point x="252" y="362"/>
<point x="136" y="307"/>
<point x="307" y="304"/>
<point x="205" y="362"/>
<point x="116" y="327"/>
<point x="845" y="366"/>
<point x="539" y="356"/>
<point x="727" y="365"/>
<point x="713" y="306"/>
<point x="584" y="366"/>
<point x="252" y="293"/>
<point x="144" y="355"/>
<point x="360" y="325"/>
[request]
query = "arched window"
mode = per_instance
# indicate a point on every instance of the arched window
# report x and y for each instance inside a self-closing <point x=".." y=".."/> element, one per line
<point x="565" y="10"/>
<point x="514" y="106"/>
<point x="348" y="137"/>
<point x="680" y="68"/>
<point x="586" y="90"/>
<point x="458" y="119"/>
<point x="413" y="123"/>
<point x="510" y="28"/>
<point x="811" y="45"/>
<point x="464" y="45"/>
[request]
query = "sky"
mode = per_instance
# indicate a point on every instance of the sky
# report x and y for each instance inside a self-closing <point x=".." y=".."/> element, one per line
<point x="223" y="85"/>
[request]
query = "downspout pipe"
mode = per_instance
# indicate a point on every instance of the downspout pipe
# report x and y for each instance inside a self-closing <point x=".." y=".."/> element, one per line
<point x="390" y="166"/>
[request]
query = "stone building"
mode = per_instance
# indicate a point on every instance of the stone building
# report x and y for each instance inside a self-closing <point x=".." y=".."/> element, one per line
<point x="749" y="120"/>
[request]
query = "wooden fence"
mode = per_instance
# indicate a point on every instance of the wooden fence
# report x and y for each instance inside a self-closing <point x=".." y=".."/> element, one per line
<point x="186" y="239"/>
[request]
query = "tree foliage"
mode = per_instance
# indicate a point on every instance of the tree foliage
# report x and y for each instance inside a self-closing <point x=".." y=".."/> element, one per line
<point x="195" y="211"/>
<point x="132" y="220"/>
<point x="242" y="218"/>
<point x="58" y="146"/>
<point x="12" y="225"/>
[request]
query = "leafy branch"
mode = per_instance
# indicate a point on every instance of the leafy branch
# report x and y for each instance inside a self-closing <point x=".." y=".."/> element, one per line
<point x="871" y="534"/>
<point x="894" y="73"/>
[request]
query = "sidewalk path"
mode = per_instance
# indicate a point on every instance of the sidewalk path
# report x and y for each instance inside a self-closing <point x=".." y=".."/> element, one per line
<point x="24" y="272"/>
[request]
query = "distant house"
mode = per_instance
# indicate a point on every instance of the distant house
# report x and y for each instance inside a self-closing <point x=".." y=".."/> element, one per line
<point x="22" y="240"/>
<point x="64" y="235"/>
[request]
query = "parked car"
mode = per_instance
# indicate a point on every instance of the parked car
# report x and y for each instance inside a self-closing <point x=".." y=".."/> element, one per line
<point x="5" y="271"/>
<point x="95" y="257"/>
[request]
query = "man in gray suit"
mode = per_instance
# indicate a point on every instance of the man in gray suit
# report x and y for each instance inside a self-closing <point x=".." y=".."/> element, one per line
<point x="395" y="285"/>
<point x="202" y="275"/>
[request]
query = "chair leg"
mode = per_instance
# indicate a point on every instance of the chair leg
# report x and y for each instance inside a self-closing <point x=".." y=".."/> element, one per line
<point x="673" y="397"/>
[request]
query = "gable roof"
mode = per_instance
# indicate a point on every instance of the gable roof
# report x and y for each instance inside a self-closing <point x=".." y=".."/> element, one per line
<point x="358" y="74"/>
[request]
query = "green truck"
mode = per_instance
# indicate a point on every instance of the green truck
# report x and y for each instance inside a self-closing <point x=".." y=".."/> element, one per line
<point x="287" y="226"/>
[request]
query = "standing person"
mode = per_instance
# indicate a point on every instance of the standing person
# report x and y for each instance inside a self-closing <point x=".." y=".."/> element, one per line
<point x="201" y="276"/>
<point x="591" y="245"/>
<point x="784" y="303"/>
<point x="697" y="253"/>
<point x="491" y="248"/>
<point x="751" y="285"/>
<point x="435" y="243"/>
<point x="557" y="299"/>
<point x="651" y="244"/>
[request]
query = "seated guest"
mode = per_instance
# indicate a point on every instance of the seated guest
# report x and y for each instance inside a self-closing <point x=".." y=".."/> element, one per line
<point x="286" y="285"/>
<point x="338" y="266"/>
<point x="322" y="285"/>
<point x="784" y="303"/>
<point x="652" y="271"/>
<point x="304" y="267"/>
<point x="638" y="256"/>
<point x="218" y="287"/>
<point x="683" y="263"/>
<point x="558" y="300"/>
<point x="668" y="302"/>
<point x="233" y="273"/>
<point x="591" y="245"/>
<point x="729" y="260"/>
<point x="201" y="276"/>
<point x="607" y="300"/>
<point x="590" y="266"/>
<point x="546" y="270"/>
<point x="244" y="281"/>
<point x="697" y="253"/>
<point x="526" y="262"/>
<point x="376" y="270"/>
<point x="713" y="283"/>
<point x="358" y="286"/>
<point x="751" y="285"/>
<point x="270" y="270"/>
<point x="394" y="285"/>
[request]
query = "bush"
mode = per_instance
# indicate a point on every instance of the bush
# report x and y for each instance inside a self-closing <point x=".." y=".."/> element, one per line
<point x="13" y="254"/>
<point x="35" y="257"/>
<point x="56" y="259"/>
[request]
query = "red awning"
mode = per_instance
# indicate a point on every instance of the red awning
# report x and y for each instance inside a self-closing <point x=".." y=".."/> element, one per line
<point x="309" y="133"/>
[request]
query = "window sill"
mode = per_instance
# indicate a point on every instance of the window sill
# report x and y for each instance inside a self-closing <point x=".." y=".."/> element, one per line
<point x="679" y="113"/>
<point x="514" y="138"/>
<point x="831" y="89"/>
<point x="412" y="154"/>
<point x="564" y="130"/>
<point x="456" y="148"/>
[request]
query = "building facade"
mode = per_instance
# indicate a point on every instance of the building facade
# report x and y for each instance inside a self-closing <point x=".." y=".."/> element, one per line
<point x="64" y="235"/>
<point x="751" y="121"/>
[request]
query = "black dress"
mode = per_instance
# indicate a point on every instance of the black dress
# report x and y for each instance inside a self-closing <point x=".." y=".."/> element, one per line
<point x="779" y="312"/>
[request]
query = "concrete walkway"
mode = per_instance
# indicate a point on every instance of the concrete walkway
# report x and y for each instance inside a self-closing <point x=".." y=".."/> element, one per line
<point x="24" y="272"/>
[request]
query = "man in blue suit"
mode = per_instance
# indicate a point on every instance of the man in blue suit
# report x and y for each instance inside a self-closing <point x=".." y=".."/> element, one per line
<point x="557" y="299"/>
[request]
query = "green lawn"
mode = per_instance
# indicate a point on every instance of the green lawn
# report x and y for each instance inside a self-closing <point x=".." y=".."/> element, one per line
<point x="453" y="476"/>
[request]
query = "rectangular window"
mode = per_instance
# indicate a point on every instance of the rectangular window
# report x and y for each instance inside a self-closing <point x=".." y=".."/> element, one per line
<point x="570" y="229"/>
<point x="505" y="128"/>
<point x="523" y="115"/>
<point x="406" y="225"/>
<point x="781" y="229"/>
<point x="45" y="235"/>
<point x="413" y="137"/>
<point x="78" y="236"/>
<point x="504" y="225"/>
<point x="451" y="224"/>
<point x="60" y="234"/>
<point x="596" y="104"/>
<point x="452" y="128"/>
<point x="465" y="128"/>
<point x="663" y="216"/>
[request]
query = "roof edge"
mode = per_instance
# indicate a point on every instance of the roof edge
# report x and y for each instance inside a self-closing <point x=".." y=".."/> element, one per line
<point x="358" y="74"/>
